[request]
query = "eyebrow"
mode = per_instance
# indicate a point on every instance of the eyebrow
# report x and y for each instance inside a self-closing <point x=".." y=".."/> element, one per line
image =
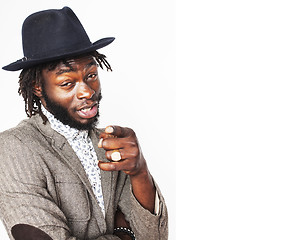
<point x="69" y="68"/>
<point x="92" y="63"/>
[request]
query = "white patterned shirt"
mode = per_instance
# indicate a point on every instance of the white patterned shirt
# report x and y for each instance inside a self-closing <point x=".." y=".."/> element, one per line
<point x="82" y="144"/>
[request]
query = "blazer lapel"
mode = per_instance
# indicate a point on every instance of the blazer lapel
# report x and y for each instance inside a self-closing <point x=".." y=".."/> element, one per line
<point x="74" y="163"/>
<point x="106" y="176"/>
<point x="63" y="148"/>
<point x="69" y="156"/>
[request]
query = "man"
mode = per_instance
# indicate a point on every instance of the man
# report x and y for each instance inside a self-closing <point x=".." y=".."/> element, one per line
<point x="59" y="174"/>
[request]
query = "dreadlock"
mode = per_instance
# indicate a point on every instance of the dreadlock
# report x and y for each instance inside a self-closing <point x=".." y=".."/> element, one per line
<point x="33" y="76"/>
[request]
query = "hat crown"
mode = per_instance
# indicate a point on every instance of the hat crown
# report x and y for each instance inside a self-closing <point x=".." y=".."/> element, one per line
<point x="52" y="32"/>
<point x="53" y="35"/>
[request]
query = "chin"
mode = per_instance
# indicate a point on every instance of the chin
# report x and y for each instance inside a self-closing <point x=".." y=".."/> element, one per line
<point x="84" y="124"/>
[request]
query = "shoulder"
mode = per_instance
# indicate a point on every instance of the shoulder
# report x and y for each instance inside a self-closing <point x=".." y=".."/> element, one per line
<point x="15" y="132"/>
<point x="27" y="132"/>
<point x="22" y="131"/>
<point x="22" y="144"/>
<point x="19" y="153"/>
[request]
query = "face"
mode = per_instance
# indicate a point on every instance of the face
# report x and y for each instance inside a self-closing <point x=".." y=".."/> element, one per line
<point x="72" y="92"/>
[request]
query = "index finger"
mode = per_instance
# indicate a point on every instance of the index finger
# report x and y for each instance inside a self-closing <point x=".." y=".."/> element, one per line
<point x="118" y="131"/>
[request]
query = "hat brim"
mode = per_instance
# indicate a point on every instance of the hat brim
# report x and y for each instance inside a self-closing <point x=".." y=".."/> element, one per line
<point x="27" y="63"/>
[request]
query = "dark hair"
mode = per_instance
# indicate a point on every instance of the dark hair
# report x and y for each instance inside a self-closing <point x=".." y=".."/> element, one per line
<point x="33" y="76"/>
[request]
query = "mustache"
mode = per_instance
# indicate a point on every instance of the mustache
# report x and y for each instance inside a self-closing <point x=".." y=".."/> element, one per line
<point x="94" y="100"/>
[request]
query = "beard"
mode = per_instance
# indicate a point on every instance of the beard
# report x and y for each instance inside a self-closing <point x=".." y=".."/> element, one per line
<point x="63" y="115"/>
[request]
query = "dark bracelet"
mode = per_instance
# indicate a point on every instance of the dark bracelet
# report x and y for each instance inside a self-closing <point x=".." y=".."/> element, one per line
<point x="125" y="230"/>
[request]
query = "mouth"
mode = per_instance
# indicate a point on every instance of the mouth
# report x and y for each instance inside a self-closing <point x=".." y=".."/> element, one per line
<point x="88" y="111"/>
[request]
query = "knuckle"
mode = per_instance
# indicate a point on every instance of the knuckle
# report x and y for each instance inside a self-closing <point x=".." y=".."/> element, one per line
<point x="112" y="167"/>
<point x="135" y="153"/>
<point x="130" y="131"/>
<point x="132" y="144"/>
<point x="133" y="165"/>
<point x="106" y="143"/>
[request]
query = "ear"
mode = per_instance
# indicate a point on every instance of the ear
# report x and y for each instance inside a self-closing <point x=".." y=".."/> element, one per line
<point x="38" y="91"/>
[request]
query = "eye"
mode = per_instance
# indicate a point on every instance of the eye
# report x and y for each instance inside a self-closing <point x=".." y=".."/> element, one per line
<point x="92" y="76"/>
<point x="66" y="84"/>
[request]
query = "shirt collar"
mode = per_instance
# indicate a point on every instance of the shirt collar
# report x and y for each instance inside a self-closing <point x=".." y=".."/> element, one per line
<point x="68" y="132"/>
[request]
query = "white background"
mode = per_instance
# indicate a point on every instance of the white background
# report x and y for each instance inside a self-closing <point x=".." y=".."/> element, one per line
<point x="139" y="93"/>
<point x="230" y="80"/>
<point x="232" y="135"/>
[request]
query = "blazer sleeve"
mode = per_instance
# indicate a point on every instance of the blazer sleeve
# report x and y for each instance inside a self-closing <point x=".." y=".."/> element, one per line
<point x="24" y="198"/>
<point x="144" y="224"/>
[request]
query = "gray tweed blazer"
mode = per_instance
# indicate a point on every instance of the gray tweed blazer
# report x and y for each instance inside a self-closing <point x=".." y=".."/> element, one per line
<point x="44" y="184"/>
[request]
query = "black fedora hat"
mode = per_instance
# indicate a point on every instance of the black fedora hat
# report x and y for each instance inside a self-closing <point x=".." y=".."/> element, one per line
<point x="52" y="35"/>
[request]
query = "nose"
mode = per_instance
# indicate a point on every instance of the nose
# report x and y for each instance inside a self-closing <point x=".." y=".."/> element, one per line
<point x="85" y="91"/>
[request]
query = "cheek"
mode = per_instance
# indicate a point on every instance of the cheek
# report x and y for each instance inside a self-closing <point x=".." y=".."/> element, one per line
<point x="60" y="97"/>
<point x="96" y="86"/>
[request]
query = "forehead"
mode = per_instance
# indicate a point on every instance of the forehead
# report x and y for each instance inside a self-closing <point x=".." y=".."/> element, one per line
<point x="73" y="64"/>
